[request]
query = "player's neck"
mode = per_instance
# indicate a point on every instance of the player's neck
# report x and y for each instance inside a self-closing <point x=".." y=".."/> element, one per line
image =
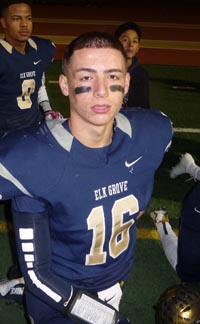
<point x="19" y="46"/>
<point x="129" y="62"/>
<point x="92" y="136"/>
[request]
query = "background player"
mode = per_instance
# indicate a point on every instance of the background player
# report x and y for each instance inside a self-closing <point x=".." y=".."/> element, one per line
<point x="183" y="252"/>
<point x="23" y="97"/>
<point x="129" y="34"/>
<point x="24" y="59"/>
<point x="75" y="224"/>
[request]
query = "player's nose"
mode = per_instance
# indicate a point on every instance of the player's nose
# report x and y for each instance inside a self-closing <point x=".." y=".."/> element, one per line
<point x="100" y="87"/>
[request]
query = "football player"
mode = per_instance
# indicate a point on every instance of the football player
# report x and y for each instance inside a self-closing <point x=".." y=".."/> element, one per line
<point x="129" y="34"/>
<point x="75" y="224"/>
<point x="183" y="251"/>
<point x="23" y="97"/>
<point x="23" y="62"/>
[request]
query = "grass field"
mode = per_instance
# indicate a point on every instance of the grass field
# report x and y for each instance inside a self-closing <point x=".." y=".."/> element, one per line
<point x="175" y="91"/>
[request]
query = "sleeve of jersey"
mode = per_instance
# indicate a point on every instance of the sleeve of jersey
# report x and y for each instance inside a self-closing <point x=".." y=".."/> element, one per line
<point x="166" y="131"/>
<point x="46" y="47"/>
<point x="51" y="49"/>
<point x="34" y="253"/>
<point x="10" y="186"/>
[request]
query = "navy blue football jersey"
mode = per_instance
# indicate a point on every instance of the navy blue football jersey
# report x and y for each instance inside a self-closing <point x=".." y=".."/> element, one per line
<point x="88" y="197"/>
<point x="20" y="79"/>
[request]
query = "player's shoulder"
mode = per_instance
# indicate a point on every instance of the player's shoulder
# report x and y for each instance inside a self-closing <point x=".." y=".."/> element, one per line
<point x="38" y="42"/>
<point x="138" y="69"/>
<point x="148" y="121"/>
<point x="27" y="148"/>
<point x="19" y="140"/>
<point x="46" y="135"/>
<point x="143" y="72"/>
<point x="44" y="48"/>
<point x="141" y="69"/>
<point x="144" y="116"/>
<point x="37" y="150"/>
<point x="5" y="48"/>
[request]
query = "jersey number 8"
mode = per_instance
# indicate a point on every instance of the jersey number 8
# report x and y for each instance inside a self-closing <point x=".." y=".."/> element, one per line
<point x="28" y="87"/>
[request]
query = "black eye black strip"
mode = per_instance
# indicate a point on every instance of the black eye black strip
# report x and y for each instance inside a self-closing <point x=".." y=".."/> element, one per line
<point x="79" y="90"/>
<point x="114" y="88"/>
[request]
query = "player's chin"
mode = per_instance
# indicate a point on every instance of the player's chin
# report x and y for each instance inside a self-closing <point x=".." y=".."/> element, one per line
<point x="24" y="38"/>
<point x="102" y="119"/>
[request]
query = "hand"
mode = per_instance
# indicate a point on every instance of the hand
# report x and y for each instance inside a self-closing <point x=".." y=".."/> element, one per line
<point x="51" y="114"/>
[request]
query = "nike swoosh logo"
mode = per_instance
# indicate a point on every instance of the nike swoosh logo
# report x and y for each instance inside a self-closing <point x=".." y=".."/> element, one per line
<point x="197" y="210"/>
<point x="108" y="300"/>
<point x="128" y="165"/>
<point x="35" y="63"/>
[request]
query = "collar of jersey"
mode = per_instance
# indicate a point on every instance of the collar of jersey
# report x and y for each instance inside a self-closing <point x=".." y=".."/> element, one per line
<point x="9" y="48"/>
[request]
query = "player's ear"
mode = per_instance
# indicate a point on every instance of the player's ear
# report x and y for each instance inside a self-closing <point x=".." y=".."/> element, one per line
<point x="63" y="84"/>
<point x="127" y="82"/>
<point x="2" y="20"/>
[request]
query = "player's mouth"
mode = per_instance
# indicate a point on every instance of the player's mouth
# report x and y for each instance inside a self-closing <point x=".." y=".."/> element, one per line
<point x="100" y="109"/>
<point x="129" y="51"/>
<point x="24" y="33"/>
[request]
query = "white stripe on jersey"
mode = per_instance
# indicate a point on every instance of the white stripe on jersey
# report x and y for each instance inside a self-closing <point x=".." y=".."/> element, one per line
<point x="43" y="287"/>
<point x="7" y="175"/>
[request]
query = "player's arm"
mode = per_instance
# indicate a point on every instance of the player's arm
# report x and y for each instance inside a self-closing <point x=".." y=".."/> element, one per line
<point x="31" y="223"/>
<point x="44" y="103"/>
<point x="35" y="257"/>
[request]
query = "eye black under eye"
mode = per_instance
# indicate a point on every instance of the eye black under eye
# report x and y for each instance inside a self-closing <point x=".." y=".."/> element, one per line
<point x="79" y="90"/>
<point x="117" y="87"/>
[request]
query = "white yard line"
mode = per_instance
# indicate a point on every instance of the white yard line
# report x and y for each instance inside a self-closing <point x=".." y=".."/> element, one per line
<point x="186" y="130"/>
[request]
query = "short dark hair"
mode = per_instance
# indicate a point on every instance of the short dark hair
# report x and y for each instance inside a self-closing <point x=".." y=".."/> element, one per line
<point x="6" y="3"/>
<point x="126" y="26"/>
<point x="93" y="39"/>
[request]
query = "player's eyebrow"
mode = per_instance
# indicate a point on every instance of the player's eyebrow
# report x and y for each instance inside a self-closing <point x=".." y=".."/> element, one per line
<point x="95" y="71"/>
<point x="19" y="16"/>
<point x="114" y="70"/>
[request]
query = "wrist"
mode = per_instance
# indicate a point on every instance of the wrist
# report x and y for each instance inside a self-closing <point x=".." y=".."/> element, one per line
<point x="45" y="105"/>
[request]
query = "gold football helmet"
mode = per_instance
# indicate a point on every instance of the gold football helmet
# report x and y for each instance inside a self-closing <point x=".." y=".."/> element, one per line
<point x="179" y="304"/>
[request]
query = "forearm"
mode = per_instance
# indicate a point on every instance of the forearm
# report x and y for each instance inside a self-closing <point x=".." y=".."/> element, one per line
<point x="33" y="244"/>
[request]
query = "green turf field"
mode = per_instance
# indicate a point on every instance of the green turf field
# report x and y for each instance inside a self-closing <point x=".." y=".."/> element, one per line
<point x="175" y="91"/>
